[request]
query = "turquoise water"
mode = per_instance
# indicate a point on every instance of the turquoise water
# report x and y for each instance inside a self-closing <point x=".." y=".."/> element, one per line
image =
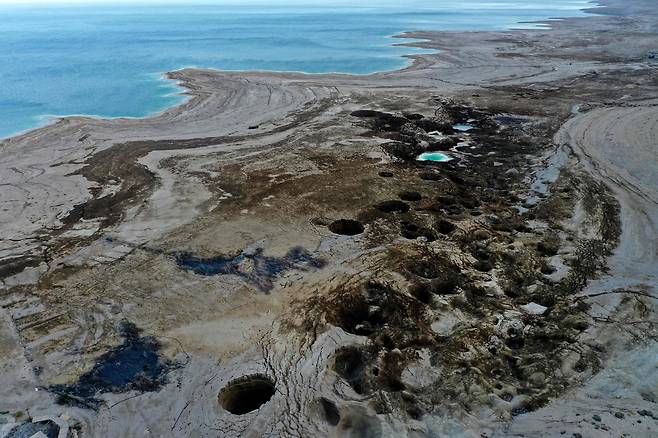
<point x="463" y="127"/>
<point x="436" y="157"/>
<point x="108" y="60"/>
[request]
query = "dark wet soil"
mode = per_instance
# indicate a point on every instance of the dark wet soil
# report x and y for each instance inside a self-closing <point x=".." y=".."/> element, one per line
<point x="133" y="365"/>
<point x="27" y="430"/>
<point x="255" y="268"/>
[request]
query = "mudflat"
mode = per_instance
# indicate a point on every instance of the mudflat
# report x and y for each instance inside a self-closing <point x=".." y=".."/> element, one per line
<point x="271" y="259"/>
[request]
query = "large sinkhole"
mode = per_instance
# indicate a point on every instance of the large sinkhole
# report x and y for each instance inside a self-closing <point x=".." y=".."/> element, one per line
<point x="246" y="394"/>
<point x="346" y="227"/>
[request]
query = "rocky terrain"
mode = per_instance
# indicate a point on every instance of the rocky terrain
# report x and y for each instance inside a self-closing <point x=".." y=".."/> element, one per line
<point x="271" y="259"/>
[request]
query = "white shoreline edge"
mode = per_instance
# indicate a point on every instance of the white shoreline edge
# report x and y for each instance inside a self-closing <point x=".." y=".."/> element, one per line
<point x="185" y="96"/>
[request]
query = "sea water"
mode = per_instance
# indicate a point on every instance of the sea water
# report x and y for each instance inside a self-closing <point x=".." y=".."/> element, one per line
<point x="108" y="61"/>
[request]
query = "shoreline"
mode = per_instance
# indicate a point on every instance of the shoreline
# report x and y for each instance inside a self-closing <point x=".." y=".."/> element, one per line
<point x="177" y="90"/>
<point x="193" y="108"/>
<point x="401" y="35"/>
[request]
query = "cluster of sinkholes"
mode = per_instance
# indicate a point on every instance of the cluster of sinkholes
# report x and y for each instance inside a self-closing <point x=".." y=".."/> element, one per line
<point x="246" y="394"/>
<point x="409" y="230"/>
<point x="249" y="393"/>
<point x="402" y="206"/>
<point x="350" y="227"/>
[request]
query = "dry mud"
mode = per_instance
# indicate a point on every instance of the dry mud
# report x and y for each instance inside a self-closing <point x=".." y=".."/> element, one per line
<point x="269" y="259"/>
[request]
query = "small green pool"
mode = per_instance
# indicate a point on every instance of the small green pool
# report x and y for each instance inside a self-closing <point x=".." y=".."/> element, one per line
<point x="437" y="157"/>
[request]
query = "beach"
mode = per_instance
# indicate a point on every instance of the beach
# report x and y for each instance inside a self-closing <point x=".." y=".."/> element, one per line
<point x="273" y="237"/>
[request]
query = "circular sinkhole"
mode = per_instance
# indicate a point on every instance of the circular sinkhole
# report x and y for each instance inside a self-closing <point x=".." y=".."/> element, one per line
<point x="246" y="394"/>
<point x="445" y="227"/>
<point x="350" y="363"/>
<point x="330" y="411"/>
<point x="393" y="206"/>
<point x="424" y="268"/>
<point x="346" y="227"/>
<point x="409" y="195"/>
<point x="422" y="292"/>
